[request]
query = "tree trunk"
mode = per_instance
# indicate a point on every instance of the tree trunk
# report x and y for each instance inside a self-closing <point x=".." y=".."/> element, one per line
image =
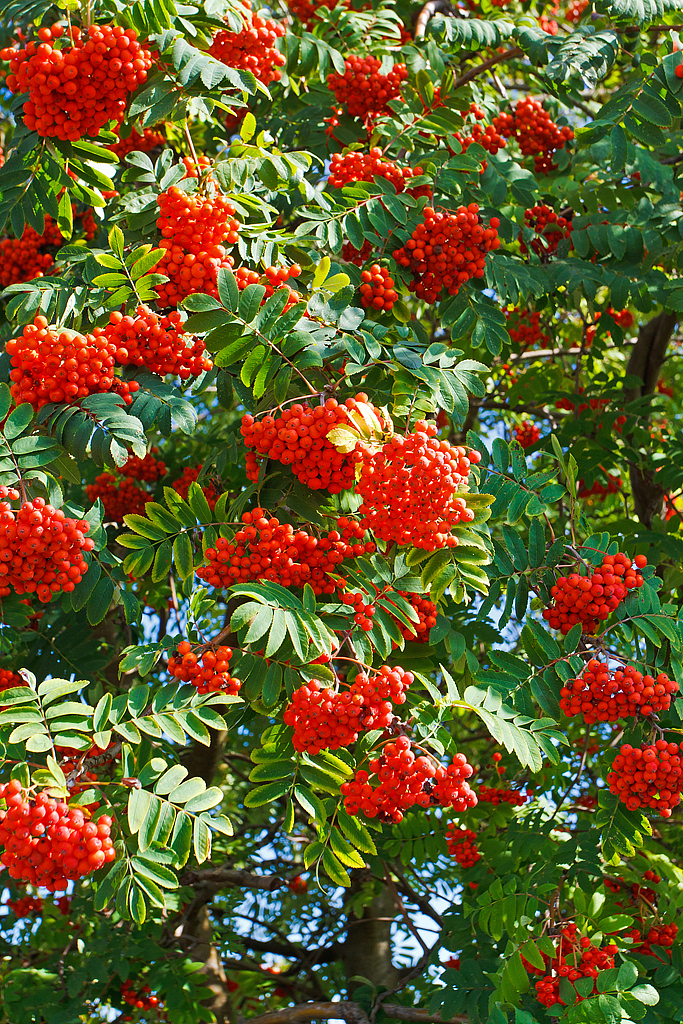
<point x="367" y="949"/>
<point x="646" y="362"/>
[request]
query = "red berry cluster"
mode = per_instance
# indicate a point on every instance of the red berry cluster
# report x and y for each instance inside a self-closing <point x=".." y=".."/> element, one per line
<point x="211" y="676"/>
<point x="357" y="256"/>
<point x="603" y="695"/>
<point x="136" y="142"/>
<point x="621" y="317"/>
<point x="49" y="843"/>
<point x="427" y="612"/>
<point x="9" y="679"/>
<point x="363" y="611"/>
<point x="662" y="935"/>
<point x="354" y="165"/>
<point x="266" y="550"/>
<point x="74" y="91"/>
<point x="535" y="131"/>
<point x="575" y="958"/>
<point x="148" y="468"/>
<point x="307" y="10"/>
<point x="141" y="998"/>
<point x="253" y="49"/>
<point x="23" y="259"/>
<point x="189" y="476"/>
<point x="590" y="599"/>
<point x="298" y="438"/>
<point x="275" y="277"/>
<point x="550" y="229"/>
<point x="527" y="433"/>
<point x="364" y="90"/>
<point x="599" y="489"/>
<point x="325" y="720"/>
<point x="403" y="780"/>
<point x="40" y="549"/>
<point x="487" y="136"/>
<point x="158" y="343"/>
<point x="26" y="905"/>
<point x="462" y="845"/>
<point x="447" y="250"/>
<point x="53" y="364"/>
<point x="377" y="290"/>
<point x="195" y="230"/>
<point x="119" y="496"/>
<point x="297" y="884"/>
<point x="575" y="9"/>
<point x="592" y="403"/>
<point x="491" y="795"/>
<point x="409" y="489"/>
<point x="649" y="776"/>
<point x="524" y="327"/>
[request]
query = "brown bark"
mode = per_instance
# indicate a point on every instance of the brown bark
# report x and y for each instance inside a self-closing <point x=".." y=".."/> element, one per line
<point x="646" y="362"/>
<point x="352" y="1013"/>
<point x="200" y="928"/>
<point x="367" y="949"/>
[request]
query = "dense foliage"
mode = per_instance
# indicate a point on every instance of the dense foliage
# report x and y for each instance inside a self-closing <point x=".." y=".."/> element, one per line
<point x="340" y="511"/>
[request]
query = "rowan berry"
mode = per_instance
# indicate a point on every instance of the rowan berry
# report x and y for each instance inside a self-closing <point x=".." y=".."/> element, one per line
<point x="446" y="250"/>
<point x="74" y="91"/>
<point x="354" y="165"/>
<point x="491" y="795"/>
<point x="524" y="328"/>
<point x="208" y="672"/>
<point x="253" y="48"/>
<point x="357" y="256"/>
<point x="462" y="845"/>
<point x="325" y="720"/>
<point x="549" y="228"/>
<point x="24" y="906"/>
<point x="265" y="549"/>
<point x="535" y="131"/>
<point x="9" y="679"/>
<point x="45" y="840"/>
<point x="417" y="632"/>
<point x="136" y="142"/>
<point x="119" y="497"/>
<point x="41" y="550"/>
<point x="158" y="343"/>
<point x="575" y="958"/>
<point x="53" y="364"/>
<point x="149" y="468"/>
<point x="275" y="277"/>
<point x="591" y="599"/>
<point x="365" y="91"/>
<point x="409" y="488"/>
<point x="298" y="438"/>
<point x="648" y="776"/>
<point x="600" y="489"/>
<point x="307" y="10"/>
<point x="527" y="434"/>
<point x="189" y="476"/>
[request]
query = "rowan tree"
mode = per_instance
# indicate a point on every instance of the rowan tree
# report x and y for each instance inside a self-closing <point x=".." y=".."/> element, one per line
<point x="341" y="495"/>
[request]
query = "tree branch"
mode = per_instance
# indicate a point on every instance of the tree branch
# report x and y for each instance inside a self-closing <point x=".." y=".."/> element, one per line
<point x="479" y="69"/>
<point x="431" y="8"/>
<point x="219" y="878"/>
<point x="350" y="1012"/>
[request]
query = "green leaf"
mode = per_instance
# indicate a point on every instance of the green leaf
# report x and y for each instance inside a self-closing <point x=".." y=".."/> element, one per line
<point x="335" y="869"/>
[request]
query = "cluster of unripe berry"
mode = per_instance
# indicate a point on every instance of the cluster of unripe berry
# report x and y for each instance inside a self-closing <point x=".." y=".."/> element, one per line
<point x="159" y="343"/>
<point x="648" y="776"/>
<point x="576" y="958"/>
<point x="591" y="599"/>
<point x="462" y="845"/>
<point x="403" y="779"/>
<point x="41" y="549"/>
<point x="253" y="48"/>
<point x="325" y="720"/>
<point x="196" y="230"/>
<point x="24" y="906"/>
<point x="53" y="364"/>
<point x="267" y="550"/>
<point x="409" y="489"/>
<point x="377" y="290"/>
<point x="74" y="91"/>
<point x="298" y="438"/>
<point x="527" y="433"/>
<point x="501" y="795"/>
<point x="446" y="250"/>
<point x="603" y="695"/>
<point x="549" y="227"/>
<point x="354" y="165"/>
<point x="48" y="843"/>
<point x="536" y="133"/>
<point x="209" y="672"/>
<point x="524" y="328"/>
<point x="363" y="89"/>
